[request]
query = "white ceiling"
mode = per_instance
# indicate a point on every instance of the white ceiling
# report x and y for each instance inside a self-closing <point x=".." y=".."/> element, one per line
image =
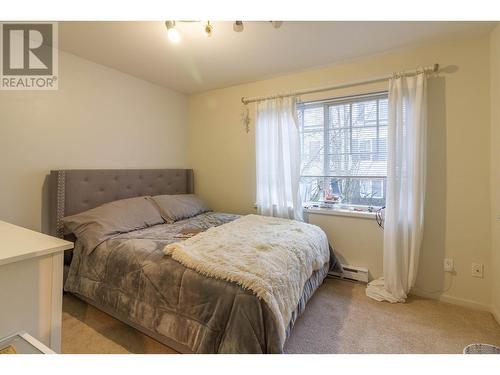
<point x="227" y="58"/>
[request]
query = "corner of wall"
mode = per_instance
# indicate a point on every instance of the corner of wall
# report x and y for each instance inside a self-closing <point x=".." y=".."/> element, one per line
<point x="494" y="168"/>
<point x="496" y="314"/>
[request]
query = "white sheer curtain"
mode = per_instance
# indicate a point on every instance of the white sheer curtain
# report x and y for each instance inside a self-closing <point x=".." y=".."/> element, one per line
<point x="404" y="214"/>
<point x="277" y="144"/>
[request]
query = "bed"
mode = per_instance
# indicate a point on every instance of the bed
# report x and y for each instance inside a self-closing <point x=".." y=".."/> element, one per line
<point x="130" y="277"/>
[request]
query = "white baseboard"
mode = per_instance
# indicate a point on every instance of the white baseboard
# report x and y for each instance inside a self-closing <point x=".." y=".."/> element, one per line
<point x="455" y="301"/>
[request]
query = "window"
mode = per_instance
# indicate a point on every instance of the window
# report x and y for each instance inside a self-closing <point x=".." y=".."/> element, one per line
<point x="344" y="150"/>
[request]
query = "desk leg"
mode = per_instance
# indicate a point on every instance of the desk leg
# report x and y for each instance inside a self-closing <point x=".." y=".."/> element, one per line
<point x="56" y="302"/>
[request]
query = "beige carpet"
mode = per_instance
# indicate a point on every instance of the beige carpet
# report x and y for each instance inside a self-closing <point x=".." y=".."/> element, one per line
<point x="87" y="330"/>
<point x="338" y="319"/>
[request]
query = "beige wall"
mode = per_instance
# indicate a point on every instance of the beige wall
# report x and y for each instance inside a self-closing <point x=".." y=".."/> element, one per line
<point x="458" y="204"/>
<point x="357" y="241"/>
<point x="495" y="167"/>
<point x="99" y="118"/>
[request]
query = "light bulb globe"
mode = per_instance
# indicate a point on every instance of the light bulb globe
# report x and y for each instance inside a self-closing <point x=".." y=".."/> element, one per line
<point x="238" y="26"/>
<point x="173" y="35"/>
<point x="208" y="29"/>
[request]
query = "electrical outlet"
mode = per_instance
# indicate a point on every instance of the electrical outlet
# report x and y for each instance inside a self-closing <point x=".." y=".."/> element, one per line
<point x="448" y="265"/>
<point x="477" y="270"/>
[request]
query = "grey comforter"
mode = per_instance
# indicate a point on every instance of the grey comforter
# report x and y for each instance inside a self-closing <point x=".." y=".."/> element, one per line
<point x="130" y="277"/>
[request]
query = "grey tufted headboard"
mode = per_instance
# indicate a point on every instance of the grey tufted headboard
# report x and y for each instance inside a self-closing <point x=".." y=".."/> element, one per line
<point x="78" y="190"/>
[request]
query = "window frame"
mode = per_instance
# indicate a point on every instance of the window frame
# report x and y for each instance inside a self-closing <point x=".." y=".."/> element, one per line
<point x="374" y="143"/>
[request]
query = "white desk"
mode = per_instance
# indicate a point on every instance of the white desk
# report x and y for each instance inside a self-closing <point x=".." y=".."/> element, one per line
<point x="31" y="277"/>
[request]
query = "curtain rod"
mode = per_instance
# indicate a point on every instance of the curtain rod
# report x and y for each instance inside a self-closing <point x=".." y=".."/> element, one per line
<point x="429" y="69"/>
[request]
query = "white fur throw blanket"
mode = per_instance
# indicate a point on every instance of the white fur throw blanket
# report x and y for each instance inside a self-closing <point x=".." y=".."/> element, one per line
<point x="272" y="257"/>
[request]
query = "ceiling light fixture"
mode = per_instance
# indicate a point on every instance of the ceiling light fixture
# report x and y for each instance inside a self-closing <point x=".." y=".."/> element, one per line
<point x="208" y="29"/>
<point x="172" y="32"/>
<point x="175" y="37"/>
<point x="238" y="26"/>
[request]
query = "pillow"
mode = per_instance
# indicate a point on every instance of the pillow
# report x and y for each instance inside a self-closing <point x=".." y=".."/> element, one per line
<point x="181" y="206"/>
<point x="95" y="226"/>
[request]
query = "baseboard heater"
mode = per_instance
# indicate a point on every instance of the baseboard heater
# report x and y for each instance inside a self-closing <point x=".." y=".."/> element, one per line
<point x="352" y="273"/>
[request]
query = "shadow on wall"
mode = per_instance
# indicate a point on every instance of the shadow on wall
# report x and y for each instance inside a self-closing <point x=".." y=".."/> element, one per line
<point x="431" y="279"/>
<point x="45" y="206"/>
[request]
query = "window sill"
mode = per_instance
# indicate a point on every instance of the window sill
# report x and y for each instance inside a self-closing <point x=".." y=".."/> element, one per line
<point x="340" y="212"/>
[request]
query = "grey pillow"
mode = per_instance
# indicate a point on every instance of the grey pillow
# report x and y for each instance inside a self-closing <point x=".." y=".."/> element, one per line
<point x="181" y="206"/>
<point x="95" y="226"/>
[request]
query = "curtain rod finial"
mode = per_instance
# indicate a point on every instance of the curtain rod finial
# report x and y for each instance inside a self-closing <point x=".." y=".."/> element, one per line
<point x="243" y="100"/>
